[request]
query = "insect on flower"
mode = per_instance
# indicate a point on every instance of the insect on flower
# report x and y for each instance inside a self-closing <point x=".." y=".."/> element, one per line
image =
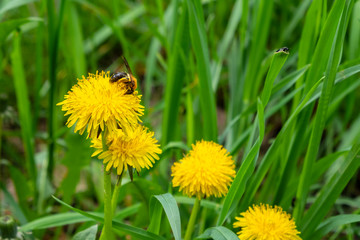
<point x="283" y="49"/>
<point x="125" y="77"/>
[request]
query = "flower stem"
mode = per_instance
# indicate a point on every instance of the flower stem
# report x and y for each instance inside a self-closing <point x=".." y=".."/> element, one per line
<point x="194" y="212"/>
<point x="115" y="195"/>
<point x="106" y="233"/>
<point x="107" y="230"/>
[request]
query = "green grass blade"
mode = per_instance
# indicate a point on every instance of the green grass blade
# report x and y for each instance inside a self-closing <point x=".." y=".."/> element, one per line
<point x="218" y="233"/>
<point x="330" y="192"/>
<point x="277" y="62"/>
<point x="320" y="118"/>
<point x="262" y="22"/>
<point x="13" y="205"/>
<point x="199" y="43"/>
<point x="247" y="167"/>
<point x="133" y="231"/>
<point x="87" y="234"/>
<point x="24" y="109"/>
<point x="155" y="216"/>
<point x="56" y="220"/>
<point x="175" y="78"/>
<point x="333" y="223"/>
<point x="270" y="155"/>
<point x="54" y="26"/>
<point x="8" y="26"/>
<point x="8" y="5"/>
<point x="224" y="43"/>
<point x="76" y="41"/>
<point x="299" y="14"/>
<point x="354" y="35"/>
<point x="171" y="209"/>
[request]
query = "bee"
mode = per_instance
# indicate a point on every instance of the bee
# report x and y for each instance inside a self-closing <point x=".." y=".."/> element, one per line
<point x="284" y="49"/>
<point x="127" y="78"/>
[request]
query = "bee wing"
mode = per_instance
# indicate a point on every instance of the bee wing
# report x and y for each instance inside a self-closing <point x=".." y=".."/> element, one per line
<point x="127" y="66"/>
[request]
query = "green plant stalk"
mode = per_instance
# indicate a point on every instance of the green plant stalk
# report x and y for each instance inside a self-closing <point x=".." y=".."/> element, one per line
<point x="54" y="35"/>
<point x="115" y="195"/>
<point x="24" y="109"/>
<point x="194" y="212"/>
<point x="320" y="118"/>
<point x="106" y="233"/>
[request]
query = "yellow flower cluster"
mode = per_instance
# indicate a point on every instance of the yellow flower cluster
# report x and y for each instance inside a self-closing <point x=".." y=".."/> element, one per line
<point x="94" y="104"/>
<point x="265" y="222"/>
<point x="206" y="171"/>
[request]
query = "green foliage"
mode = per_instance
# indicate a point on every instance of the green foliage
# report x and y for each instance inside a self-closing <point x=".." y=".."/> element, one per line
<point x="207" y="70"/>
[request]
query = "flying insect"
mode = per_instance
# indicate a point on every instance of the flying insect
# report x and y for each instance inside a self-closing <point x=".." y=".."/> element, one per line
<point x="125" y="77"/>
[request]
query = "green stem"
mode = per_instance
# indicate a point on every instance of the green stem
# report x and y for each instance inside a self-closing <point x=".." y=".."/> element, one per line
<point x="106" y="233"/>
<point x="107" y="230"/>
<point x="115" y="195"/>
<point x="194" y="212"/>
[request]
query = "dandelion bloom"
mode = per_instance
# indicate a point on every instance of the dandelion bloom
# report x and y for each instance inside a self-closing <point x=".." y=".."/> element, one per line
<point x="94" y="102"/>
<point x="137" y="148"/>
<point x="265" y="222"/>
<point x="207" y="170"/>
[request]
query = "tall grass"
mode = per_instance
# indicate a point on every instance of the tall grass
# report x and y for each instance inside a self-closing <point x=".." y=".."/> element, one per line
<point x="206" y="70"/>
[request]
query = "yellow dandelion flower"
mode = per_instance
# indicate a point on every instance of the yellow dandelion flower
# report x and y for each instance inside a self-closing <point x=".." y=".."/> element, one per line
<point x="94" y="102"/>
<point x="137" y="148"/>
<point x="265" y="222"/>
<point x="207" y="170"/>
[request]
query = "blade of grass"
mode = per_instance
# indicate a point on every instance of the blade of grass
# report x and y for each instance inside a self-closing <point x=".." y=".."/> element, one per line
<point x="218" y="233"/>
<point x="330" y="192"/>
<point x="24" y="110"/>
<point x="262" y="20"/>
<point x="247" y="167"/>
<point x="133" y="231"/>
<point x="270" y="155"/>
<point x="354" y="35"/>
<point x="54" y="26"/>
<point x="171" y="209"/>
<point x="8" y="5"/>
<point x="320" y="117"/>
<point x="199" y="42"/>
<point x="333" y="223"/>
<point x="277" y="62"/>
<point x="175" y="78"/>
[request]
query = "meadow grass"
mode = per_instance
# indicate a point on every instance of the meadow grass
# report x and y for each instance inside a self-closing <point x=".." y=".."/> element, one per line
<point x="206" y="70"/>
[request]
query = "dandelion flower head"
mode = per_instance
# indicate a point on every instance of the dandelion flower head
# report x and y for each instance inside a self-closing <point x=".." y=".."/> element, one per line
<point x="265" y="222"/>
<point x="137" y="148"/>
<point x="207" y="170"/>
<point x="94" y="102"/>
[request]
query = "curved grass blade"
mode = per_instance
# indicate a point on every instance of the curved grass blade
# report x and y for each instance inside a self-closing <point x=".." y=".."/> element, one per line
<point x="237" y="187"/>
<point x="269" y="156"/>
<point x="321" y="114"/>
<point x="133" y="231"/>
<point x="7" y="27"/>
<point x="330" y="192"/>
<point x="22" y="98"/>
<point x="87" y="234"/>
<point x="277" y="62"/>
<point x="171" y="209"/>
<point x="218" y="233"/>
<point x="62" y="219"/>
<point x="199" y="42"/>
<point x="334" y="223"/>
<point x="175" y="79"/>
<point x="8" y="5"/>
